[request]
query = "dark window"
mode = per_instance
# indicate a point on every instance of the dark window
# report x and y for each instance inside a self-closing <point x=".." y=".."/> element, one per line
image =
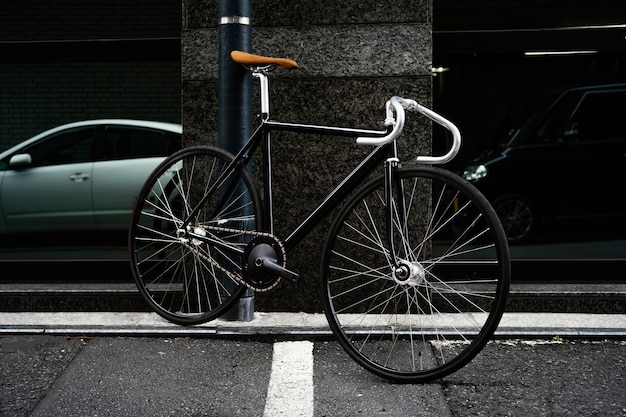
<point x="68" y="147"/>
<point x="600" y="116"/>
<point x="131" y="142"/>
<point x="554" y="123"/>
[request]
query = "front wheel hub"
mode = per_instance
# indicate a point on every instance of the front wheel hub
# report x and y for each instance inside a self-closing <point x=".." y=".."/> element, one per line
<point x="409" y="273"/>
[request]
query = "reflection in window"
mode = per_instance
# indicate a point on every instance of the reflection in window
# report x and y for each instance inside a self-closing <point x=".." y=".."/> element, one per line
<point x="600" y="116"/>
<point x="65" y="148"/>
<point x="552" y="127"/>
<point x="125" y="143"/>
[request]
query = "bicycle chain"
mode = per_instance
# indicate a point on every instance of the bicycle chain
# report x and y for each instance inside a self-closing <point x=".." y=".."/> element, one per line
<point x="232" y="275"/>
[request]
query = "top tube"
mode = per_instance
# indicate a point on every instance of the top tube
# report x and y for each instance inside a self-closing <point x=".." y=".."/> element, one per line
<point x="257" y="60"/>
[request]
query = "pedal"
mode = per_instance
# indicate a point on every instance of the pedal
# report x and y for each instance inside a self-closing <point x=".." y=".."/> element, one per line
<point x="270" y="265"/>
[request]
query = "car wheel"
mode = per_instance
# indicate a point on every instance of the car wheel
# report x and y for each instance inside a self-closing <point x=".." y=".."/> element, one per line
<point x="518" y="216"/>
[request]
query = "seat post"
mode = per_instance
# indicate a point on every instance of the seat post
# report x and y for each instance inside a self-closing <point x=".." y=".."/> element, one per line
<point x="264" y="90"/>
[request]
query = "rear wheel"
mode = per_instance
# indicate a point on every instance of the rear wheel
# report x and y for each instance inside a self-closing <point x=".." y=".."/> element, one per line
<point x="428" y="323"/>
<point x="191" y="274"/>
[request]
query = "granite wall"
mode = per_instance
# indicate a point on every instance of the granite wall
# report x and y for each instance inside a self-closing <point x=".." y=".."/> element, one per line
<point x="353" y="56"/>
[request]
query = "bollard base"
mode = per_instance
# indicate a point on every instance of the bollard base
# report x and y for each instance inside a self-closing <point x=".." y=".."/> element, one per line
<point x="242" y="310"/>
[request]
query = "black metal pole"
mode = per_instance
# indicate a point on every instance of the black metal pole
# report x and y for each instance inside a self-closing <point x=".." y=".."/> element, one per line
<point x="235" y="100"/>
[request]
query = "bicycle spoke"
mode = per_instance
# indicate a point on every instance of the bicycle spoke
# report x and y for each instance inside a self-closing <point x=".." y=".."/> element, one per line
<point x="189" y="268"/>
<point x="432" y="323"/>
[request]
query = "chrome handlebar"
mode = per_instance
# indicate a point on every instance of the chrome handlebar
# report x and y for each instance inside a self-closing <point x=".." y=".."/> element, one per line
<point x="396" y="105"/>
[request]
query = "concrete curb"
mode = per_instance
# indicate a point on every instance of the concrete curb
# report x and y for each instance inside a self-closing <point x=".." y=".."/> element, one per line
<point x="296" y="325"/>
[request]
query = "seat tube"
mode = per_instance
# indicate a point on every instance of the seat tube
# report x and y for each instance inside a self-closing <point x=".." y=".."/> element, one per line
<point x="266" y="149"/>
<point x="267" y="181"/>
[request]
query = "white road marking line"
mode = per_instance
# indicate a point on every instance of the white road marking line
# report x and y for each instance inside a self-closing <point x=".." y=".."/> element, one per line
<point x="290" y="391"/>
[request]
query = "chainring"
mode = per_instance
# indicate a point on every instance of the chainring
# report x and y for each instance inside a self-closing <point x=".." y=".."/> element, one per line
<point x="270" y="246"/>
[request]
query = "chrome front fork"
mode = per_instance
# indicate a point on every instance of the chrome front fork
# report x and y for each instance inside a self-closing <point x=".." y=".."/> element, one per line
<point x="391" y="165"/>
<point x="404" y="271"/>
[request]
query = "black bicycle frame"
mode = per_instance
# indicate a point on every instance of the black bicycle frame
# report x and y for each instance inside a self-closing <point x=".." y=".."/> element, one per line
<point x="262" y="136"/>
<point x="358" y="174"/>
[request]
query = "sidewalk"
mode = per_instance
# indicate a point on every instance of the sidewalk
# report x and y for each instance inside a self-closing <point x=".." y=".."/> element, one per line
<point x="137" y="364"/>
<point x="285" y="324"/>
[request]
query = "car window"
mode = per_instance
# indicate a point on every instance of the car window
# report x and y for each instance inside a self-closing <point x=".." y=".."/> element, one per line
<point x="68" y="147"/>
<point x="551" y="129"/>
<point x="537" y="122"/>
<point x="130" y="142"/>
<point x="517" y="130"/>
<point x="600" y="116"/>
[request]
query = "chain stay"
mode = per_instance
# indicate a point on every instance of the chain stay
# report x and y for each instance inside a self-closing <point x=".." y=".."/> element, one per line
<point x="232" y="275"/>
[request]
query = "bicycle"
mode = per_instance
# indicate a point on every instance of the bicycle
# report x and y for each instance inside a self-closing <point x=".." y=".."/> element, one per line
<point x="410" y="295"/>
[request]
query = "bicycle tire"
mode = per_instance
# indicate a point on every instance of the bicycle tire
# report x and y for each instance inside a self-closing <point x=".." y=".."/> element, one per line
<point x="184" y="279"/>
<point x="430" y="325"/>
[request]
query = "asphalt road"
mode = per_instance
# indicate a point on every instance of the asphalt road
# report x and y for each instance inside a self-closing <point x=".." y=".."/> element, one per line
<point x="51" y="370"/>
<point x="46" y="375"/>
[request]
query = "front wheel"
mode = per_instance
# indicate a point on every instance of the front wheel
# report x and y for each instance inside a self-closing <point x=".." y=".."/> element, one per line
<point x="188" y="231"/>
<point x="431" y="322"/>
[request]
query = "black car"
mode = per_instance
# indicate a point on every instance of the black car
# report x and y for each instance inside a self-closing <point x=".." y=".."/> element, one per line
<point x="564" y="159"/>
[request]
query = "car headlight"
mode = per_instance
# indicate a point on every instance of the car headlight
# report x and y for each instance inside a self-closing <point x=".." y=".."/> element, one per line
<point x="474" y="173"/>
